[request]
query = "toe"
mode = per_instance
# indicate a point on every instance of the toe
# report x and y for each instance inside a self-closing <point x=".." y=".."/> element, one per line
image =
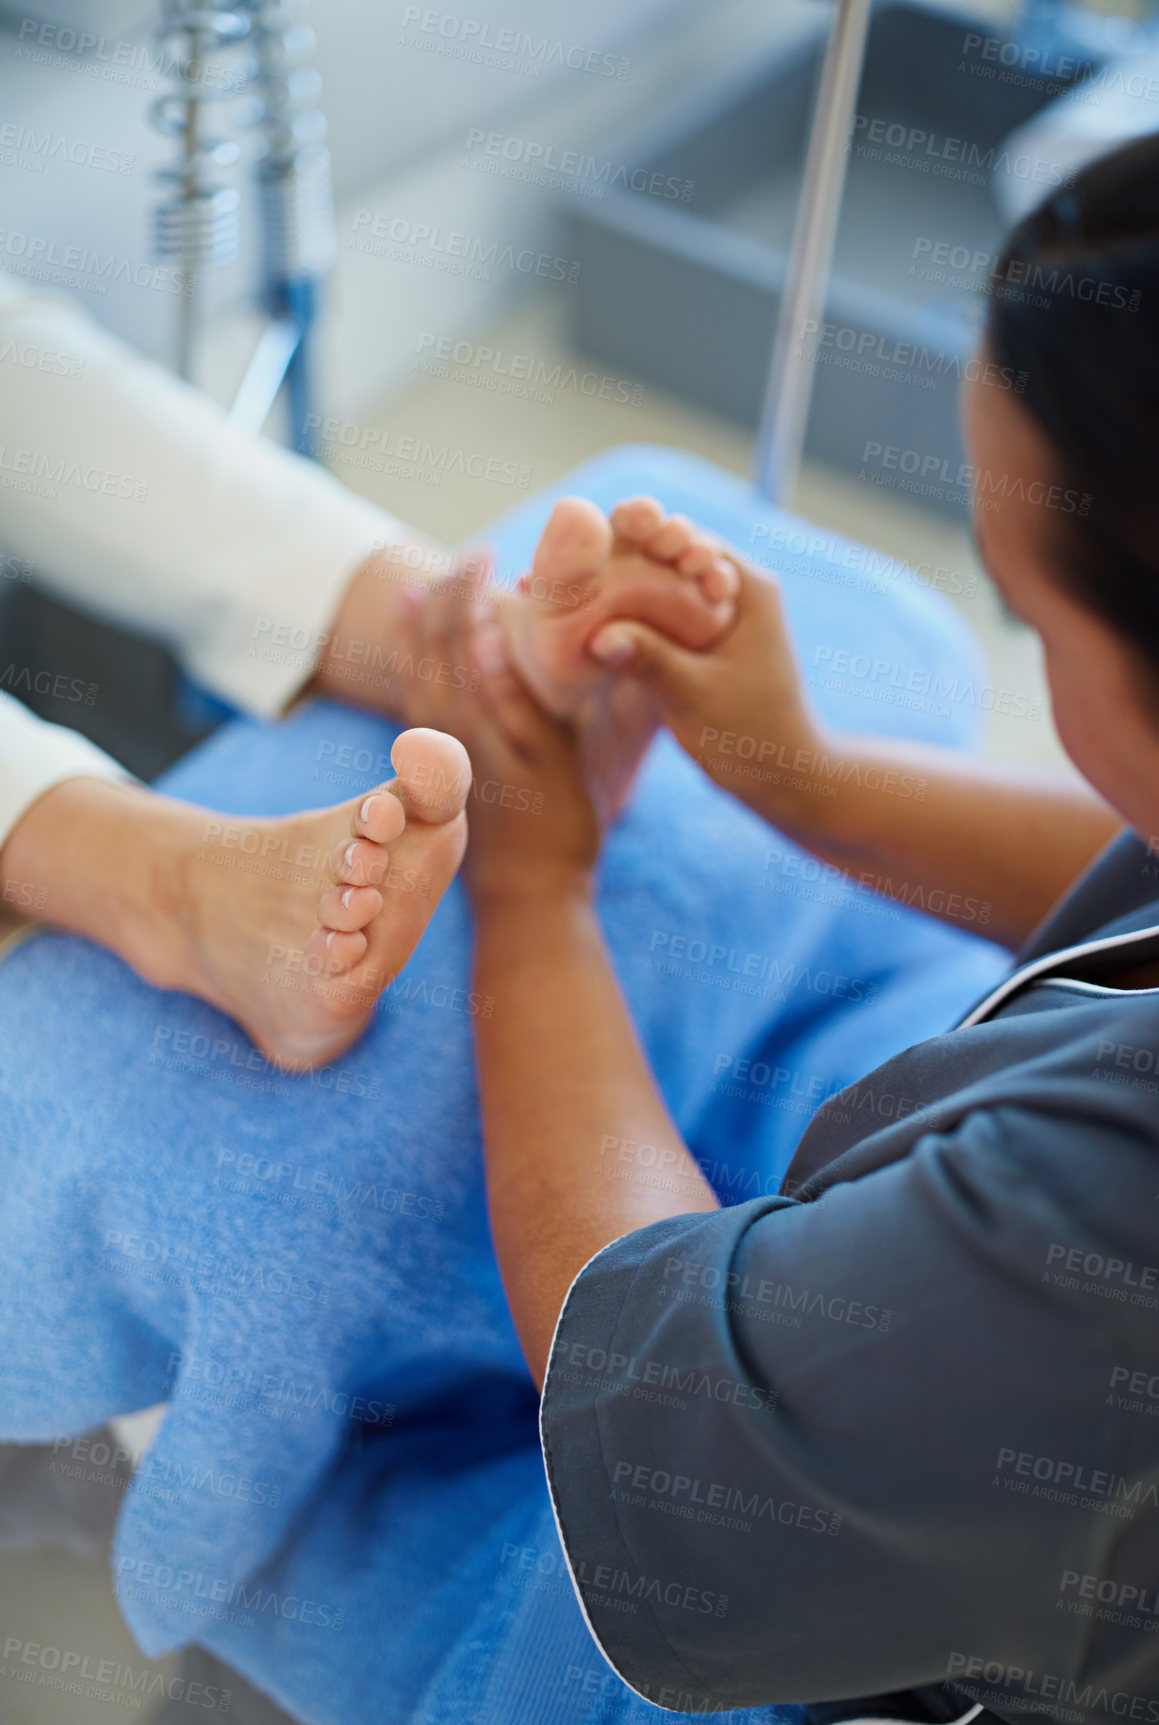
<point x="575" y="542"/>
<point x="362" y="863"/>
<point x="637" y="518"/>
<point x="698" y="559"/>
<point x="347" y="909"/>
<point x="673" y="537"/>
<point x="328" y="953"/>
<point x="380" y="818"/>
<point x="720" y="581"/>
<point x="434" y="774"/>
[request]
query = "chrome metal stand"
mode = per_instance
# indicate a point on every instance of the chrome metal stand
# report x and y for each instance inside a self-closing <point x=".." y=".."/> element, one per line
<point x="198" y="223"/>
<point x="785" y="414"/>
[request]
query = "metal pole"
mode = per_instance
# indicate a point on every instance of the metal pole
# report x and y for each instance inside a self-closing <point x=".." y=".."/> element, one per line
<point x="790" y="387"/>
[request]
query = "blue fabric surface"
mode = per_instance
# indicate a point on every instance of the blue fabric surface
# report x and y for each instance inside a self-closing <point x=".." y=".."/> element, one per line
<point x="346" y="1498"/>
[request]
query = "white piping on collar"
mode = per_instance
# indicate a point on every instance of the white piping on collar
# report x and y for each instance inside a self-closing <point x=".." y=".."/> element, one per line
<point x="1051" y="961"/>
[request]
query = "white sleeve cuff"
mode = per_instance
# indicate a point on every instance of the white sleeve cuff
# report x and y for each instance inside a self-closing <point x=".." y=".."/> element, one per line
<point x="35" y="755"/>
<point x="265" y="647"/>
<point x="135" y="497"/>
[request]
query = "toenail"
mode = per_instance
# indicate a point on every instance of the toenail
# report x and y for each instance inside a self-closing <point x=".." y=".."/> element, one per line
<point x="346" y="897"/>
<point x="364" y="811"/>
<point x="351" y="853"/>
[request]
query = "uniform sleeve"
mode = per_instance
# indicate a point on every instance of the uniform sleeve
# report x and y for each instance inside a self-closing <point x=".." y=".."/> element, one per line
<point x="132" y="495"/>
<point x="34" y="756"/>
<point x="783" y="1440"/>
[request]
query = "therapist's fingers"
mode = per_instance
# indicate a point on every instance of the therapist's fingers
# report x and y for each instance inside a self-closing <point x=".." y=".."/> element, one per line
<point x="440" y="635"/>
<point x="672" y="673"/>
<point x="447" y="604"/>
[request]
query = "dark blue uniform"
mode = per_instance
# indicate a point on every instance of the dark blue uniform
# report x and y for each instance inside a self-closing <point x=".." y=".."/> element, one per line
<point x="895" y="1432"/>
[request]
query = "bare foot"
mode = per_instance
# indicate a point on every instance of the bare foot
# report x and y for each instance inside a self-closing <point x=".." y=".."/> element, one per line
<point x="587" y="571"/>
<point x="295" y="926"/>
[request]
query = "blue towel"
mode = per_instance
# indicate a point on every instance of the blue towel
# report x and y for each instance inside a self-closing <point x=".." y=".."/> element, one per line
<point x="345" y="1500"/>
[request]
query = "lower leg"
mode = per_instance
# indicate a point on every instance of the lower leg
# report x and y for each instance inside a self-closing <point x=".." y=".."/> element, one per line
<point x="293" y="926"/>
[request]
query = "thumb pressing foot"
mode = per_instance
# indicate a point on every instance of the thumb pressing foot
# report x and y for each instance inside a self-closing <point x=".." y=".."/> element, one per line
<point x="645" y="655"/>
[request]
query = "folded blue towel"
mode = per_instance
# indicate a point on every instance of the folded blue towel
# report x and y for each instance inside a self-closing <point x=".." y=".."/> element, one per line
<point x="345" y="1500"/>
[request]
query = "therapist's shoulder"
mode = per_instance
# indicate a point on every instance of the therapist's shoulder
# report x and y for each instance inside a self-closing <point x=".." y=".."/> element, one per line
<point x="874" y="1440"/>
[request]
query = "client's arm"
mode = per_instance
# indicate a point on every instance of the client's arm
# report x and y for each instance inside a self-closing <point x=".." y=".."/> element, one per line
<point x="948" y="831"/>
<point x="145" y="504"/>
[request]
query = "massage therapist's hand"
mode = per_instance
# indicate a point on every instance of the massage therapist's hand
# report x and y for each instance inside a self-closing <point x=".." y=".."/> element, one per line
<point x="739" y="708"/>
<point x="369" y="656"/>
<point x="534" y="831"/>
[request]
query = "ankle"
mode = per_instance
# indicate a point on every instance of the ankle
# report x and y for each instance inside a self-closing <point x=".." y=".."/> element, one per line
<point x="118" y="890"/>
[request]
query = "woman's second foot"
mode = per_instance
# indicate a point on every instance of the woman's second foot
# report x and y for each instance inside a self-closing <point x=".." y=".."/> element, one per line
<point x="294" y="926"/>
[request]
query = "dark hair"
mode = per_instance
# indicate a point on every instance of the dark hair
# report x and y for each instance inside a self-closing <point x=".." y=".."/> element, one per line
<point x="1075" y="308"/>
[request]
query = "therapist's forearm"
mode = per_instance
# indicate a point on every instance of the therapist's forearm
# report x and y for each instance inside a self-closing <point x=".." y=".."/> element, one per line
<point x="977" y="844"/>
<point x="566" y="1096"/>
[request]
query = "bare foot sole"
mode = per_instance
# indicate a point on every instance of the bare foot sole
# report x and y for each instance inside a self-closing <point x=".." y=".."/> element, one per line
<point x="295" y="926"/>
<point x="588" y="570"/>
